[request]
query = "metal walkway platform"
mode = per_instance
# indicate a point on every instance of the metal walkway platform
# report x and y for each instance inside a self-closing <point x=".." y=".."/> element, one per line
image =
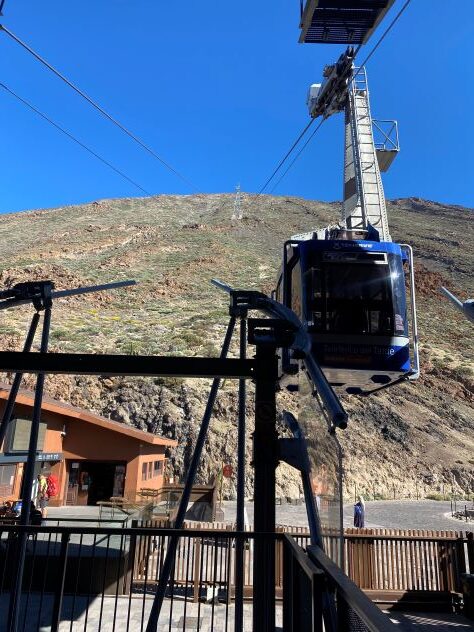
<point x="341" y="21"/>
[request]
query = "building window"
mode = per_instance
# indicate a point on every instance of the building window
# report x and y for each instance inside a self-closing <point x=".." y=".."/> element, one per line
<point x="18" y="436"/>
<point x="151" y="469"/>
<point x="7" y="478"/>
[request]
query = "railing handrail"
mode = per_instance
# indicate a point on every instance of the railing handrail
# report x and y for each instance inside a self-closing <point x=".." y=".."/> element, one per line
<point x="111" y="520"/>
<point x="302" y="558"/>
<point x="142" y="531"/>
<point x="404" y="538"/>
<point x="366" y="610"/>
<point x="225" y="533"/>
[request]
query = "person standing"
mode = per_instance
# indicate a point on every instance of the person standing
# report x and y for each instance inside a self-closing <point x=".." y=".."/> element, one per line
<point x="359" y="513"/>
<point x="35" y="515"/>
<point x="43" y="498"/>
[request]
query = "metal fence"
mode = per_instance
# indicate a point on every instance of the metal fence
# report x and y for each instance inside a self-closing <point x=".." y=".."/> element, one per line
<point x="390" y="565"/>
<point x="104" y="579"/>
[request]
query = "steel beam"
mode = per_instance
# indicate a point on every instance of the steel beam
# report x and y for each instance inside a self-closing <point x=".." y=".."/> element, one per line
<point x="146" y="366"/>
<point x="265" y="460"/>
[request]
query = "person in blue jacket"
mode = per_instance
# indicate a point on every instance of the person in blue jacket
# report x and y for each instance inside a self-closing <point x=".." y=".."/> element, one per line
<point x="359" y="513"/>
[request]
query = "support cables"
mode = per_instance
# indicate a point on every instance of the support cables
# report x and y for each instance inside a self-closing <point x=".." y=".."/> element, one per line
<point x="297" y="156"/>
<point x="96" y="106"/>
<point x="386" y="32"/>
<point x="292" y="148"/>
<point x="283" y="160"/>
<point x="73" y="138"/>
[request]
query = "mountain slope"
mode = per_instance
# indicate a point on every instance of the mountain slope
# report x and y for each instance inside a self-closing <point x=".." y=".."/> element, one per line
<point x="417" y="434"/>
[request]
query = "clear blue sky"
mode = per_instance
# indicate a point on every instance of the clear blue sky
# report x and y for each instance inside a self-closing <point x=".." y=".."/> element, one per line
<point x="219" y="89"/>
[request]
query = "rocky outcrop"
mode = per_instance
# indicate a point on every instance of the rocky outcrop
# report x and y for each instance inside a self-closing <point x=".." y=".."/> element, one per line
<point x="411" y="439"/>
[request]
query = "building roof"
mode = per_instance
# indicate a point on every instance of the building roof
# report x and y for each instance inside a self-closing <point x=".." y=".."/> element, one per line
<point x="66" y="410"/>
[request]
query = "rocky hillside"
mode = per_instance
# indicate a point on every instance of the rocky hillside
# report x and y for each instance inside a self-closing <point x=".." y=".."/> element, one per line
<point x="417" y="435"/>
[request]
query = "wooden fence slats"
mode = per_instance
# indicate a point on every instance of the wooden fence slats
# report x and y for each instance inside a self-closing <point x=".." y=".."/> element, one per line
<point x="381" y="561"/>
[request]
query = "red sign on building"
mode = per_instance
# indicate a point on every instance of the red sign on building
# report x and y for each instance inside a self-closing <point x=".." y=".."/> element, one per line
<point x="227" y="471"/>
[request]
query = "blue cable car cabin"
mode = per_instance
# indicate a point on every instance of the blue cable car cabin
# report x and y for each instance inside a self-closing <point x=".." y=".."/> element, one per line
<point x="351" y="296"/>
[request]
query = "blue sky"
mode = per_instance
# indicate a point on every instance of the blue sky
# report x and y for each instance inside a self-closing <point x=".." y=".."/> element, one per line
<point x="218" y="90"/>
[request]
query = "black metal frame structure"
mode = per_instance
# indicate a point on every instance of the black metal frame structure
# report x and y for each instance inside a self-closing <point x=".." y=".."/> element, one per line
<point x="267" y="335"/>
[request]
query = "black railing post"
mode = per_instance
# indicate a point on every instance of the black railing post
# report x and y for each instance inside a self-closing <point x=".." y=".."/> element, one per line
<point x="28" y="474"/>
<point x="319" y="590"/>
<point x="265" y="450"/>
<point x="61" y="576"/>
<point x="240" y="522"/>
<point x="15" y="387"/>
<point x="287" y="588"/>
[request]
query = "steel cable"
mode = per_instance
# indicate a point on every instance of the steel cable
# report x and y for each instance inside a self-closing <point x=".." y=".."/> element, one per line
<point x="282" y="161"/>
<point x="297" y="156"/>
<point x="387" y="30"/>
<point x="73" y="138"/>
<point x="96" y="106"/>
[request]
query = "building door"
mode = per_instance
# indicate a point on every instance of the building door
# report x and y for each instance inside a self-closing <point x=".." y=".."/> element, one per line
<point x="72" y="491"/>
<point x="89" y="482"/>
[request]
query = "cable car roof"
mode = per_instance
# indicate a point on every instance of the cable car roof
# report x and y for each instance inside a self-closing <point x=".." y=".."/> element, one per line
<point x="341" y="21"/>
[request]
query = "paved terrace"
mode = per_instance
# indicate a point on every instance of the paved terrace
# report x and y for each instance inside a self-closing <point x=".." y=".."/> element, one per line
<point x="390" y="514"/>
<point x="126" y="615"/>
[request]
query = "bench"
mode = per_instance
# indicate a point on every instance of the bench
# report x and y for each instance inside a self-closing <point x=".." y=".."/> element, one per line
<point x="115" y="502"/>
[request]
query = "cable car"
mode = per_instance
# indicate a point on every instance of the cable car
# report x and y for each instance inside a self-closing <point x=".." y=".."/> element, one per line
<point x="351" y="295"/>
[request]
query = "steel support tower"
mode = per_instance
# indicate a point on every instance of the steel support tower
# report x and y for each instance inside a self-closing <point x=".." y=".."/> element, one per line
<point x="364" y="198"/>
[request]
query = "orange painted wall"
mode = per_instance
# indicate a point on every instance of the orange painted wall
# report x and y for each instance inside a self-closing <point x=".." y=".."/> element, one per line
<point x="84" y="441"/>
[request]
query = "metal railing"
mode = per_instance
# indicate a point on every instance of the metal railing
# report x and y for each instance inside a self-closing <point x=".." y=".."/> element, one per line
<point x="350" y="610"/>
<point x="84" y="578"/>
<point x="318" y="596"/>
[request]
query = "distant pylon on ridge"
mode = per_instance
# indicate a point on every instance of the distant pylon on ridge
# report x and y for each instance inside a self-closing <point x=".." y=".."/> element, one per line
<point x="237" y="214"/>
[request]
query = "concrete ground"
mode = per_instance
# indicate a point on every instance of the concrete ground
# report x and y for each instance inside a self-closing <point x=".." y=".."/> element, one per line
<point x="431" y="622"/>
<point x="77" y="515"/>
<point x="123" y="615"/>
<point x="391" y="514"/>
<point x="409" y="514"/>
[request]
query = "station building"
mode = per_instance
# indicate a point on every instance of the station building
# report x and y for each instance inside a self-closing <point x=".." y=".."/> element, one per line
<point x="92" y="457"/>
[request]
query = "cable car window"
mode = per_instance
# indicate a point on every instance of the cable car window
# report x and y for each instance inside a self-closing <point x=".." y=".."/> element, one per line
<point x="316" y="308"/>
<point x="296" y="289"/>
<point x="278" y="293"/>
<point x="359" y="297"/>
<point x="397" y="275"/>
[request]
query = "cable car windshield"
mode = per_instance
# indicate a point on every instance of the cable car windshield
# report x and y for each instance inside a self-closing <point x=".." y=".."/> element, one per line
<point x="359" y="296"/>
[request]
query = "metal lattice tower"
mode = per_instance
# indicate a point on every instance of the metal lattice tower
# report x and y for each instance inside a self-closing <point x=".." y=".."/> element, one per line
<point x="364" y="199"/>
<point x="237" y="214"/>
<point x="345" y="89"/>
